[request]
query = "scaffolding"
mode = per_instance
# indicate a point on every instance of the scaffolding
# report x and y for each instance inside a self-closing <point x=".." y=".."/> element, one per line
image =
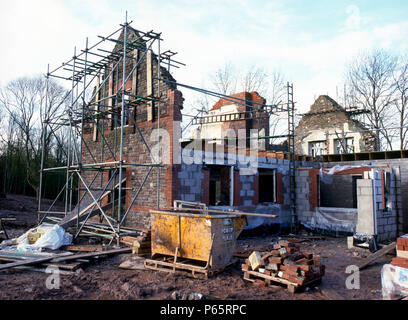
<point x="96" y="65"/>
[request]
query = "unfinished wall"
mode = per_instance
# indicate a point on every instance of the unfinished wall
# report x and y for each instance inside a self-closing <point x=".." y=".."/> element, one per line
<point x="377" y="212"/>
<point x="378" y="200"/>
<point x="337" y="221"/>
<point x="400" y="168"/>
<point x="195" y="179"/>
<point x="217" y="130"/>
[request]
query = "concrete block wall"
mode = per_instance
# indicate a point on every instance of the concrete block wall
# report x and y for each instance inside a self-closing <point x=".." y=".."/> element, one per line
<point x="191" y="179"/>
<point x="400" y="170"/>
<point x="193" y="186"/>
<point x="386" y="220"/>
<point x="303" y="205"/>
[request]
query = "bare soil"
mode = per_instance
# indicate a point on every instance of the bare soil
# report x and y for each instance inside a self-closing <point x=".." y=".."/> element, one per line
<point x="104" y="280"/>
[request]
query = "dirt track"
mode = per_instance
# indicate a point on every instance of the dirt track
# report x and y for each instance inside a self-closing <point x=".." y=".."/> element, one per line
<point x="104" y="280"/>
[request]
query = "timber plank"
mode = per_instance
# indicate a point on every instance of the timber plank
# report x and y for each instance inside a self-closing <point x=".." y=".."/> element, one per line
<point x="375" y="256"/>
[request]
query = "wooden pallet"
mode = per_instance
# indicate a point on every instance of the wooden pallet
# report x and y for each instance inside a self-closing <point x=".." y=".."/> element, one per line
<point x="173" y="267"/>
<point x="292" y="287"/>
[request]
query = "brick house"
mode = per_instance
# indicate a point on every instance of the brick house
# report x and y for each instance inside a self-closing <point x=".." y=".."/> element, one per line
<point x="203" y="172"/>
<point x="217" y="130"/>
<point x="215" y="182"/>
<point x="329" y="129"/>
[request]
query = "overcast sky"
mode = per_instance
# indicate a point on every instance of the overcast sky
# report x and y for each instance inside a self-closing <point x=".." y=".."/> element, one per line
<point x="308" y="41"/>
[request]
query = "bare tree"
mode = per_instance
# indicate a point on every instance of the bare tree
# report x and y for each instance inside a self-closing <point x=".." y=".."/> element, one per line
<point x="29" y="103"/>
<point x="224" y="79"/>
<point x="371" y="86"/>
<point x="401" y="101"/>
<point x="254" y="79"/>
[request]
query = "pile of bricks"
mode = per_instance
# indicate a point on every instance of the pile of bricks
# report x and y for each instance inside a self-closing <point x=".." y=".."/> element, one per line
<point x="402" y="252"/>
<point x="286" y="261"/>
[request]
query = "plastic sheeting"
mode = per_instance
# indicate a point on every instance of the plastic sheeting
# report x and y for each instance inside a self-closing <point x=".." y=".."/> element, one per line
<point x="394" y="281"/>
<point x="334" y="219"/>
<point x="53" y="238"/>
<point x="326" y="173"/>
<point x="272" y="209"/>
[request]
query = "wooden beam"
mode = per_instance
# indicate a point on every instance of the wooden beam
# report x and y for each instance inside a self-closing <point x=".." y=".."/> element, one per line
<point x="375" y="256"/>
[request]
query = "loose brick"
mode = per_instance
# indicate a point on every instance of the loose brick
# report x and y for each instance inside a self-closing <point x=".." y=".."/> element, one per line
<point x="298" y="280"/>
<point x="265" y="257"/>
<point x="304" y="267"/>
<point x="275" y="253"/>
<point x="245" y="267"/>
<point x="286" y="275"/>
<point x="289" y="262"/>
<point x="292" y="268"/>
<point x="277" y="260"/>
<point x="292" y="273"/>
<point x="282" y="267"/>
<point x="308" y="255"/>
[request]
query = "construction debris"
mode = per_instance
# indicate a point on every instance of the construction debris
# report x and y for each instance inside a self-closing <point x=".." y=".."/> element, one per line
<point x="285" y="264"/>
<point x="134" y="263"/>
<point x="140" y="245"/>
<point x="402" y="253"/>
<point x="394" y="276"/>
<point x="375" y="256"/>
<point x="18" y="259"/>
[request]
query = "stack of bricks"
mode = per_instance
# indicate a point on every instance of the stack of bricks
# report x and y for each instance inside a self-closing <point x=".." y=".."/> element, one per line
<point x="402" y="252"/>
<point x="286" y="261"/>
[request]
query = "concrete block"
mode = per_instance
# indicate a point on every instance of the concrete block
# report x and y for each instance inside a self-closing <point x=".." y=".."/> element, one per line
<point x="350" y="242"/>
<point x="365" y="191"/>
<point x="182" y="175"/>
<point x="303" y="173"/>
<point x="189" y="197"/>
<point x="247" y="203"/>
<point x="196" y="190"/>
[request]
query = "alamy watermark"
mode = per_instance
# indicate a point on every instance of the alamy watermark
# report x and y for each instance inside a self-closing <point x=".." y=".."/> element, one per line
<point x="53" y="281"/>
<point x="353" y="280"/>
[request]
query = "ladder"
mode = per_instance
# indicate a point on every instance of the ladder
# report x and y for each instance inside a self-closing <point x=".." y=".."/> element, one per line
<point x="292" y="166"/>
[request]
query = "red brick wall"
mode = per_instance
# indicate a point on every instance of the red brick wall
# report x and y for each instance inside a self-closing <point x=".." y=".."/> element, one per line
<point x="205" y="185"/>
<point x="255" y="187"/>
<point x="237" y="188"/>
<point x="279" y="188"/>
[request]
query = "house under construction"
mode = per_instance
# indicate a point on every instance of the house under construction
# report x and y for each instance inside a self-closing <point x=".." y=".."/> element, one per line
<point x="125" y="156"/>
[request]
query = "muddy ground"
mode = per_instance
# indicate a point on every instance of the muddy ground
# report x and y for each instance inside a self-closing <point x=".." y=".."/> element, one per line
<point x="103" y="279"/>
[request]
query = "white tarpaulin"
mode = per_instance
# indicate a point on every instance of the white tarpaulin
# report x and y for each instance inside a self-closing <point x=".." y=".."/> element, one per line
<point x="326" y="173"/>
<point x="336" y="219"/>
<point x="53" y="238"/>
<point x="394" y="282"/>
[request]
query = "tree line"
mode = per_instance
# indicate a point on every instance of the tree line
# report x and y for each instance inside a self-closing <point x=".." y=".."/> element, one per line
<point x="26" y="104"/>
